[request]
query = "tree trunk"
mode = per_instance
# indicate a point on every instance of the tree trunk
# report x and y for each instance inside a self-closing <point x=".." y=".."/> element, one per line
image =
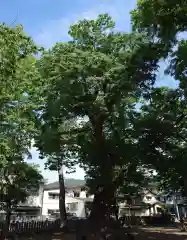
<point x="116" y="212"/>
<point x="185" y="186"/>
<point x="7" y="221"/>
<point x="62" y="205"/>
<point x="102" y="205"/>
<point x="98" y="207"/>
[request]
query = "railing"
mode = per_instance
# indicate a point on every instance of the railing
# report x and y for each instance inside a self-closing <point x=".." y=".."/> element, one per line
<point x="73" y="225"/>
<point x="23" y="218"/>
<point x="147" y="220"/>
<point x="37" y="226"/>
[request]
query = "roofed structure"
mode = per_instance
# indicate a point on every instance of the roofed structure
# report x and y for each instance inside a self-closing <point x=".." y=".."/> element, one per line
<point x="69" y="183"/>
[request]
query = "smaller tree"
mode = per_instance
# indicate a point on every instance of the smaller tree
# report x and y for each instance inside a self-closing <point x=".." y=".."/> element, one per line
<point x="17" y="180"/>
<point x="58" y="149"/>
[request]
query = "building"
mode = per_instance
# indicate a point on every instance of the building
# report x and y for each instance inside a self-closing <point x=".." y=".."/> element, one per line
<point x="31" y="208"/>
<point x="146" y="204"/>
<point x="45" y="202"/>
<point x="77" y="201"/>
<point x="28" y="210"/>
<point x="176" y="203"/>
<point x="76" y="198"/>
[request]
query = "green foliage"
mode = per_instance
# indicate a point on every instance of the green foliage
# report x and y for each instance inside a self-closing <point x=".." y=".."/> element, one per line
<point x="18" y="76"/>
<point x="162" y="20"/>
<point x="97" y="78"/>
<point x="17" y="73"/>
<point x="18" y="181"/>
<point x="164" y="23"/>
<point x="162" y="141"/>
<point x="164" y="118"/>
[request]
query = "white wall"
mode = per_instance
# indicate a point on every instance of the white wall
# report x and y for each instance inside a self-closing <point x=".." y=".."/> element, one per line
<point x="149" y="198"/>
<point x="49" y="203"/>
<point x="33" y="201"/>
<point x="54" y="203"/>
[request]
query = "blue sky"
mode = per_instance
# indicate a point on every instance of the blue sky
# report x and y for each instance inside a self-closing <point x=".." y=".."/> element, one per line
<point x="48" y="22"/>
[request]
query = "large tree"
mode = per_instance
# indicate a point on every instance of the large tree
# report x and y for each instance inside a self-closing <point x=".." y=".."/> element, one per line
<point x="97" y="77"/>
<point x="164" y="24"/>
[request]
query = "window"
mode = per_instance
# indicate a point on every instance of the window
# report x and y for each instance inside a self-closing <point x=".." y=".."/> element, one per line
<point x="148" y="198"/>
<point x="76" y="194"/>
<point x="52" y="211"/>
<point x="72" y="206"/>
<point x="161" y="199"/>
<point x="34" y="192"/>
<point x="178" y="197"/>
<point x="159" y="210"/>
<point x="169" y="198"/>
<point x="137" y="200"/>
<point x="52" y="195"/>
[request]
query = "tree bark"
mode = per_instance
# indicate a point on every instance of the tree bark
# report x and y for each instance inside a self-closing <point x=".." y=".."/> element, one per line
<point x="185" y="186"/>
<point x="102" y="196"/>
<point x="98" y="207"/>
<point x="7" y="220"/>
<point x="62" y="205"/>
<point x="116" y="212"/>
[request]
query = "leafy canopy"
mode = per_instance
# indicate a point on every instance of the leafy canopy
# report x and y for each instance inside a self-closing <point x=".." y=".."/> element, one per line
<point x="19" y="180"/>
<point x="17" y="73"/>
<point x="94" y="81"/>
<point x="164" y="23"/>
<point x="161" y="133"/>
<point x="17" y="77"/>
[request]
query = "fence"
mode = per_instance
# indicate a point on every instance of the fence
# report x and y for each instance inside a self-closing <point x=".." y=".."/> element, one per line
<point x="37" y="226"/>
<point x="73" y="225"/>
<point x="147" y="220"/>
<point x="23" y="218"/>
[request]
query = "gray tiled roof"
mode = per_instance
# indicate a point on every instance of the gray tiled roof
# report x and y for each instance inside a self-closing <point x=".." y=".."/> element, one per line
<point x="69" y="183"/>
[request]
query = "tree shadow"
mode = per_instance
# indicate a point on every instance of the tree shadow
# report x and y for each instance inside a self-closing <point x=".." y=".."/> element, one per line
<point x="164" y="233"/>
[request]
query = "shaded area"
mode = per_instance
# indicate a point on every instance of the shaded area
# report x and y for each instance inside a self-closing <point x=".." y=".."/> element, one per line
<point x="138" y="234"/>
<point x="85" y="230"/>
<point x="159" y="233"/>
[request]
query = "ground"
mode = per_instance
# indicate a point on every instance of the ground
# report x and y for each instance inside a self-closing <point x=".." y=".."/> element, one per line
<point x="159" y="233"/>
<point x="147" y="233"/>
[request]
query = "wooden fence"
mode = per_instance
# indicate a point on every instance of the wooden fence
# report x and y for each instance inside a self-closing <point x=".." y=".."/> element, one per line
<point x="37" y="226"/>
<point x="73" y="225"/>
<point x="147" y="220"/>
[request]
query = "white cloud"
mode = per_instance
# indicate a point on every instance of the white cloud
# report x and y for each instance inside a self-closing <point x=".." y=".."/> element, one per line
<point x="57" y="29"/>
